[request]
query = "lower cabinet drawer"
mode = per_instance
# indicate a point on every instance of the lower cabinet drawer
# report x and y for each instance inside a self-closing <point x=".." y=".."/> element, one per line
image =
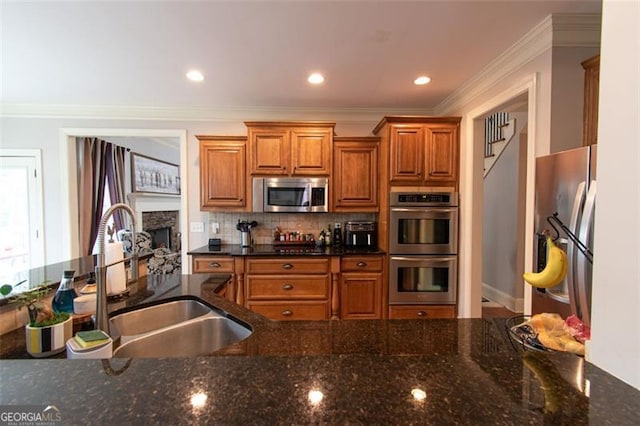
<point x="287" y="265"/>
<point x="361" y="264"/>
<point x="287" y="287"/>
<point x="421" y="311"/>
<point x="206" y="264"/>
<point x="303" y="310"/>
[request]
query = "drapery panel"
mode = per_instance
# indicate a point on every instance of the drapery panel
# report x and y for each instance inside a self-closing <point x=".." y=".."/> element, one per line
<point x="100" y="164"/>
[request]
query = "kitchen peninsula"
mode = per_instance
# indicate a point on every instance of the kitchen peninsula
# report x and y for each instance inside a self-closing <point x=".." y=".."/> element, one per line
<point x="332" y="372"/>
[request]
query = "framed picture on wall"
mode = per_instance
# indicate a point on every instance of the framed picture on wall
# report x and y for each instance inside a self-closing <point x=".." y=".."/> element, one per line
<point x="154" y="176"/>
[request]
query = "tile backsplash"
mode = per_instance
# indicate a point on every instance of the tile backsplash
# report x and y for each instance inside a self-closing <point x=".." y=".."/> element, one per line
<point x="267" y="222"/>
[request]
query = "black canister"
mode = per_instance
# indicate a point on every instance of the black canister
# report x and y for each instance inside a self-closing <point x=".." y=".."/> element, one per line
<point x="337" y="235"/>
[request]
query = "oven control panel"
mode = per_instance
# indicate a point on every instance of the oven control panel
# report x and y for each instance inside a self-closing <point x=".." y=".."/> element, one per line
<point x="424" y="199"/>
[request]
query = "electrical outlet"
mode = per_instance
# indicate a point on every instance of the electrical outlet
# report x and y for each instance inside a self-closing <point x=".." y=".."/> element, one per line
<point x="197" y="227"/>
<point x="215" y="227"/>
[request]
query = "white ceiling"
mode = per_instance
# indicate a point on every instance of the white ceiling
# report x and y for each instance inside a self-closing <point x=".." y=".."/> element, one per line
<point x="256" y="54"/>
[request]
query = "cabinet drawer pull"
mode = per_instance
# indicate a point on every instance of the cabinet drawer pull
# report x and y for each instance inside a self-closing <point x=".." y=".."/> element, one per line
<point x="287" y="313"/>
<point x="361" y="264"/>
<point x="287" y="266"/>
<point x="421" y="313"/>
<point x="287" y="287"/>
<point x="215" y="265"/>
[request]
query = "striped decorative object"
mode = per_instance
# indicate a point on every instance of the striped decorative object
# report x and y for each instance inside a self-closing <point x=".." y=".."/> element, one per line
<point x="50" y="340"/>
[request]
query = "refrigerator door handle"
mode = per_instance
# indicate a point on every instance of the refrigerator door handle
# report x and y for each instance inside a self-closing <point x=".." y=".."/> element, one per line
<point x="572" y="252"/>
<point x="582" y="286"/>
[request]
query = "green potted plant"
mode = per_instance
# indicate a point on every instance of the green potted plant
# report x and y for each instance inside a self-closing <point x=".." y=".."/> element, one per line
<point x="47" y="331"/>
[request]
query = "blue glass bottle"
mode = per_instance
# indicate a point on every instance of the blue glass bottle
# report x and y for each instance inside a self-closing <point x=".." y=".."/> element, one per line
<point x="63" y="300"/>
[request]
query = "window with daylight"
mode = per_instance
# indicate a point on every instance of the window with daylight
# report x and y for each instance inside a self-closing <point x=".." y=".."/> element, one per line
<point x="21" y="216"/>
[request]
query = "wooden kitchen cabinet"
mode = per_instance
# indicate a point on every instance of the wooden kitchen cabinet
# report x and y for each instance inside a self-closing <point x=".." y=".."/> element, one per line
<point x="206" y="264"/>
<point x="295" y="288"/>
<point x="361" y="287"/>
<point x="355" y="174"/>
<point x="422" y="150"/>
<point x="213" y="265"/>
<point x="591" y="89"/>
<point x="421" y="311"/>
<point x="223" y="178"/>
<point x="441" y="154"/>
<point x="290" y="148"/>
<point x="407" y="152"/>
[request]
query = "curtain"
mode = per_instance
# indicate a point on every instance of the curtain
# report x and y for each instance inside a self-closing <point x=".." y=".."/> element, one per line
<point x="99" y="162"/>
<point x="115" y="180"/>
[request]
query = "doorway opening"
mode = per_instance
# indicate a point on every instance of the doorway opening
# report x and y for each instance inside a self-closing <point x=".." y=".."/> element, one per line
<point x="472" y="205"/>
<point x="504" y="191"/>
<point x="122" y="136"/>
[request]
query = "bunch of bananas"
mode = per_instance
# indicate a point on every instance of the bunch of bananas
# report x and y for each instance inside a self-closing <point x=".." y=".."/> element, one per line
<point x="555" y="270"/>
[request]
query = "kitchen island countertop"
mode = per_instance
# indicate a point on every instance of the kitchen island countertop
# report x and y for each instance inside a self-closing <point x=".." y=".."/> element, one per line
<point x="365" y="370"/>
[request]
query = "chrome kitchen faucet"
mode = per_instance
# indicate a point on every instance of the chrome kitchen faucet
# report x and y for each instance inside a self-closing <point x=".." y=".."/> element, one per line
<point x="102" y="320"/>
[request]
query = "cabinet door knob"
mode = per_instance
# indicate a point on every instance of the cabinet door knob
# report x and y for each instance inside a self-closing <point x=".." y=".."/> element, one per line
<point x="214" y="265"/>
<point x="361" y="264"/>
<point x="287" y="266"/>
<point x="287" y="313"/>
<point x="421" y="314"/>
<point x="287" y="287"/>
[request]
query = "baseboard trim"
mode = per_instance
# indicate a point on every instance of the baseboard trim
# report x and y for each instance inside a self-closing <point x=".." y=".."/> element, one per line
<point x="512" y="303"/>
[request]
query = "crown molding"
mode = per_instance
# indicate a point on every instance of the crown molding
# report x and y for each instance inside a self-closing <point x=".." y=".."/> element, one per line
<point x="576" y="30"/>
<point x="209" y="114"/>
<point x="560" y="30"/>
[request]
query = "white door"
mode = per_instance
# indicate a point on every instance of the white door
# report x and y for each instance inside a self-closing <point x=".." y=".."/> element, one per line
<point x="21" y="217"/>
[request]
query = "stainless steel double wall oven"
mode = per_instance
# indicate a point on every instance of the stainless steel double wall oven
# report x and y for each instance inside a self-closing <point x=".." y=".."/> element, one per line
<point x="423" y="243"/>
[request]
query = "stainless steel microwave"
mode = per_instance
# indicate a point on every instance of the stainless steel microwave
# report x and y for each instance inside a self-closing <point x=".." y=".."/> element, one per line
<point x="291" y="195"/>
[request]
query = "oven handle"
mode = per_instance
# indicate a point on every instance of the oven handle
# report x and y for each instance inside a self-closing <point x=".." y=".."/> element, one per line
<point x="428" y="259"/>
<point x="423" y="209"/>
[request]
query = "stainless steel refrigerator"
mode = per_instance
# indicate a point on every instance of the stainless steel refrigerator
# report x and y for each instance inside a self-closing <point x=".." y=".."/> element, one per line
<point x="565" y="201"/>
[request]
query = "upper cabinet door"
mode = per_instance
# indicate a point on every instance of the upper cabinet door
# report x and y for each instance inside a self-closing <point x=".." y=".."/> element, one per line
<point x="311" y="151"/>
<point x="355" y="174"/>
<point x="223" y="173"/>
<point x="590" y="109"/>
<point x="269" y="151"/>
<point x="407" y="145"/>
<point x="441" y="153"/>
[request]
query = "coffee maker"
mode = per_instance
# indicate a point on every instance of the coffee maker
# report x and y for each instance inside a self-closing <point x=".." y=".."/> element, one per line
<point x="361" y="234"/>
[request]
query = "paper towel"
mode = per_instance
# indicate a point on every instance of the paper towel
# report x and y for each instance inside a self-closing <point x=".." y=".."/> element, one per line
<point x="116" y="274"/>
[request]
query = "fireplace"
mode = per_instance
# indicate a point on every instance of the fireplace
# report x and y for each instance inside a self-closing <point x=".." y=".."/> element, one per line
<point x="163" y="228"/>
<point x="160" y="237"/>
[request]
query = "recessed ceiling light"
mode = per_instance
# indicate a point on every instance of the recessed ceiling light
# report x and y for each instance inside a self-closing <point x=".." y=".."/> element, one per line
<point x="315" y="396"/>
<point x="418" y="394"/>
<point x="315" y="78"/>
<point x="195" y="75"/>
<point x="423" y="79"/>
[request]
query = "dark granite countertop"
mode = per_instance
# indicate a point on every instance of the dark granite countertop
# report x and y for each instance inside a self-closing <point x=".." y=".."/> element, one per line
<point x="365" y="370"/>
<point x="281" y="250"/>
<point x="52" y="274"/>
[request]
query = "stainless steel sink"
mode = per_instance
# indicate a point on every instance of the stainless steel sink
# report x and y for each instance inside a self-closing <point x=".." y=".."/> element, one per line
<point x="143" y="320"/>
<point x="175" y="328"/>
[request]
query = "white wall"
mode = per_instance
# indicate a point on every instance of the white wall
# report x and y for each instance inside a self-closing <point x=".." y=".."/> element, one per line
<point x="615" y="344"/>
